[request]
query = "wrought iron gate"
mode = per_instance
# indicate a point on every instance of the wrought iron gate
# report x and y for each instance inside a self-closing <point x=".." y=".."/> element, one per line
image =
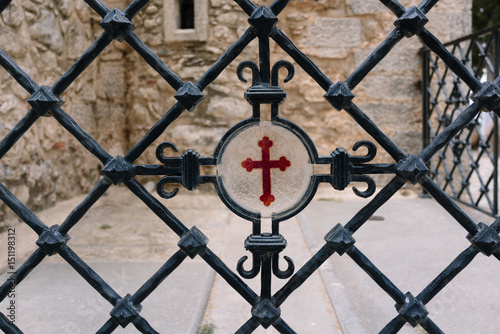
<point x="466" y="167"/>
<point x="265" y="246"/>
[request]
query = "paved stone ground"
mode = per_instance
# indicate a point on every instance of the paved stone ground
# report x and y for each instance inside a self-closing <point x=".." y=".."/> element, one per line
<point x="410" y="239"/>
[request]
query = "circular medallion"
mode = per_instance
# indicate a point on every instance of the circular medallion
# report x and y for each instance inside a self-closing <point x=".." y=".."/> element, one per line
<point x="264" y="169"/>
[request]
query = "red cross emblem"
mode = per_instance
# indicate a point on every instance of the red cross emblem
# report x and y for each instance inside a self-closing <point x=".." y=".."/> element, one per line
<point x="266" y="164"/>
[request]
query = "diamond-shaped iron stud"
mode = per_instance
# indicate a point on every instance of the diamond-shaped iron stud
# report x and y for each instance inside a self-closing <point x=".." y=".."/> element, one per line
<point x="189" y="96"/>
<point x="43" y="101"/>
<point x="263" y="21"/>
<point x="117" y="24"/>
<point x="118" y="170"/>
<point x="339" y="95"/>
<point x="489" y="96"/>
<point x="411" y="21"/>
<point x="124" y="311"/>
<point x="412" y="168"/>
<point x="340" y="239"/>
<point x="413" y="310"/>
<point x="193" y="242"/>
<point x="51" y="240"/>
<point x="487" y="239"/>
<point x="266" y="313"/>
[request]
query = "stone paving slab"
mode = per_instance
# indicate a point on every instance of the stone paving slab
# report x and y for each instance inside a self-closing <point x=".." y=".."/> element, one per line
<point x="411" y="241"/>
<point x="307" y="310"/>
<point x="55" y="299"/>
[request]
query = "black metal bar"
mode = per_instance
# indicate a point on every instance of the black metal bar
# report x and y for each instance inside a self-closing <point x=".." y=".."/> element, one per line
<point x="430" y="326"/>
<point x="18" y="131"/>
<point x="265" y="276"/>
<point x="473" y="35"/>
<point x="234" y="50"/>
<point x="451" y="131"/>
<point x="425" y="97"/>
<point x="89" y="275"/>
<point x="368" y="210"/>
<point x="302" y="60"/>
<point x="248" y="327"/>
<point x="134" y="8"/>
<point x="278" y="5"/>
<point x="247" y="6"/>
<point x="496" y="55"/>
<point x="159" y="209"/>
<point x="303" y="274"/>
<point x="4" y="5"/>
<point x="17" y="73"/>
<point x="6" y="326"/>
<point x="157" y="169"/>
<point x="264" y="61"/>
<point x="143" y="326"/>
<point x="426" y="5"/>
<point x="394" y="6"/>
<point x="21" y="210"/>
<point x="81" y="64"/>
<point x="154" y="61"/>
<point x="374" y="169"/>
<point x="98" y="6"/>
<point x="82" y="208"/>
<point x="281" y="326"/>
<point x="83" y="137"/>
<point x="374" y="58"/>
<point x="448" y="274"/>
<point x="156" y="131"/>
<point x="231" y="278"/>
<point x="447" y="203"/>
<point x="437" y="47"/>
<point x="393" y="326"/>
<point x="21" y="272"/>
<point x="154" y="281"/>
<point x="369" y="126"/>
<point x="108" y="327"/>
<point x="379" y="278"/>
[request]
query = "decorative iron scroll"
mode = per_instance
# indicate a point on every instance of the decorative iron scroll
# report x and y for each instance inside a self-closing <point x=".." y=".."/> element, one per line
<point x="264" y="246"/>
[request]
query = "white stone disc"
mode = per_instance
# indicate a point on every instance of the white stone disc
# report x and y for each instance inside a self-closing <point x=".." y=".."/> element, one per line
<point x="265" y="168"/>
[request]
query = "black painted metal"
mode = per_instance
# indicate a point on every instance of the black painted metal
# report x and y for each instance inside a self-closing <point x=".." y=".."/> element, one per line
<point x="467" y="166"/>
<point x="185" y="170"/>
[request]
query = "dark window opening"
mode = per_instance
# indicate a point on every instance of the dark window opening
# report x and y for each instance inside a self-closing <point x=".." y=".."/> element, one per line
<point x="187" y="14"/>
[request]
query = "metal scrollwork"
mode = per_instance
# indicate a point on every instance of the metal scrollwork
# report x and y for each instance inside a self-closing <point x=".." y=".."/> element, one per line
<point x="160" y="186"/>
<point x="275" y="72"/>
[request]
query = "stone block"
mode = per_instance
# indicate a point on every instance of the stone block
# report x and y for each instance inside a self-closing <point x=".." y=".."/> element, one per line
<point x="13" y="44"/>
<point x="396" y="88"/>
<point x="46" y="31"/>
<point x="111" y="84"/>
<point x="12" y="15"/>
<point x="357" y="7"/>
<point x="404" y="57"/>
<point x="228" y="107"/>
<point x="332" y="37"/>
<point x="447" y="26"/>
<point x="389" y="115"/>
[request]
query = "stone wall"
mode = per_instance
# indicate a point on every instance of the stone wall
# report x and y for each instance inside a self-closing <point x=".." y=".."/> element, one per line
<point x="119" y="97"/>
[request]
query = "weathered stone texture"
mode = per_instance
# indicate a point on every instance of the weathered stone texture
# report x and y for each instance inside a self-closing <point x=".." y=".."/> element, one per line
<point x="119" y="97"/>
<point x="332" y="37"/>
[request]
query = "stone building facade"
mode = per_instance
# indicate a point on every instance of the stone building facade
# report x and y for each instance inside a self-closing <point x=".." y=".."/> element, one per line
<point x="119" y="97"/>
